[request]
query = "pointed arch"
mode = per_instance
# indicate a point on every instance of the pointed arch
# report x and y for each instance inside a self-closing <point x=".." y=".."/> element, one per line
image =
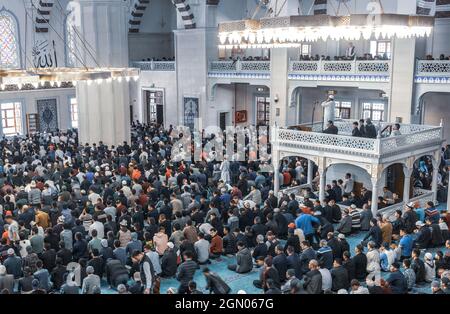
<point x="9" y="40"/>
<point x="139" y="7"/>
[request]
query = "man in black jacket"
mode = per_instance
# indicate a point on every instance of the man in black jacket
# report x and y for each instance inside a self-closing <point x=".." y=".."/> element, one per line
<point x="267" y="272"/>
<point x="339" y="276"/>
<point x="307" y="255"/>
<point x="229" y="241"/>
<point x="356" y="132"/>
<point x="374" y="234"/>
<point x="418" y="266"/>
<point x="147" y="272"/>
<point x="293" y="262"/>
<point x="116" y="273"/>
<point x="48" y="257"/>
<point x="360" y="263"/>
<point x="280" y="263"/>
<point x="214" y="283"/>
<point x="409" y="218"/>
<point x="349" y="265"/>
<point x="186" y="272"/>
<point x="97" y="262"/>
<point x="272" y="288"/>
<point x="334" y="244"/>
<point x="261" y="247"/>
<point x="370" y="131"/>
<point x="258" y="228"/>
<point x="331" y="128"/>
<point x="313" y="279"/>
<point x="293" y="204"/>
<point x="423" y="236"/>
<point x="169" y="262"/>
<point x="362" y="128"/>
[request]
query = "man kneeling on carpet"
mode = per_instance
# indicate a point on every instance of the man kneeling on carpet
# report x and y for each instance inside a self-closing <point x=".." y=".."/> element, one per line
<point x="243" y="259"/>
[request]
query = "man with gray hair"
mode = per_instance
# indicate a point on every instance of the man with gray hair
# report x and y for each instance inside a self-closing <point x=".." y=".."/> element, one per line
<point x="90" y="282"/>
<point x="261" y="247"/>
<point x="122" y="289"/>
<point x="6" y="280"/>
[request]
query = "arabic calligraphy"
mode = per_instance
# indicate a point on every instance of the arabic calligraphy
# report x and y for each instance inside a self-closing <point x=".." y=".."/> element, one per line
<point x="44" y="54"/>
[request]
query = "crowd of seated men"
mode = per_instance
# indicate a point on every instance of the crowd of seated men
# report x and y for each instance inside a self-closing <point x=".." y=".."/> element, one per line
<point x="131" y="212"/>
<point x="399" y="247"/>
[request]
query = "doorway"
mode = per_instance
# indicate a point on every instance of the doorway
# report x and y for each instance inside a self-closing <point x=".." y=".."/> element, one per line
<point x="155" y="106"/>
<point x="224" y="120"/>
<point x="395" y="179"/>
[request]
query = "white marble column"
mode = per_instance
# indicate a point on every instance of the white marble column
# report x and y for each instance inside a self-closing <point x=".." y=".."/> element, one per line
<point x="279" y="97"/>
<point x="276" y="177"/>
<point x="407" y="184"/>
<point x="434" y="181"/>
<point x="448" y="189"/>
<point x="310" y="172"/>
<point x="322" y="183"/>
<point x="402" y="85"/>
<point x="374" y="206"/>
<point x="104" y="106"/>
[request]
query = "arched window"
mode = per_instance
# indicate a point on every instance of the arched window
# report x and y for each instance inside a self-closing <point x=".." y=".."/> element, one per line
<point x="9" y="43"/>
<point x="70" y="40"/>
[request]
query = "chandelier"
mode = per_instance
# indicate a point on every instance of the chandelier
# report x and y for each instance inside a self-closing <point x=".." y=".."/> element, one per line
<point x="291" y="31"/>
<point x="57" y="76"/>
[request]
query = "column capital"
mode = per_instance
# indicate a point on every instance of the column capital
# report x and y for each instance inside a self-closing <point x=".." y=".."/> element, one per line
<point x="375" y="181"/>
<point x="376" y="171"/>
<point x="407" y="172"/>
<point x="322" y="165"/>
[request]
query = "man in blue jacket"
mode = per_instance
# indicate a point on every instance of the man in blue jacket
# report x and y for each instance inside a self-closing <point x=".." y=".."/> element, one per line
<point x="325" y="255"/>
<point x="305" y="222"/>
<point x="397" y="280"/>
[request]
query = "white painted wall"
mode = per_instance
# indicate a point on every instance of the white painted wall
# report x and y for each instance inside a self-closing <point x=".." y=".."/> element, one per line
<point x="435" y="104"/>
<point x="146" y="46"/>
<point x="338" y="171"/>
<point x="440" y="37"/>
<point x="309" y="95"/>
<point x="29" y="99"/>
<point x="159" y="80"/>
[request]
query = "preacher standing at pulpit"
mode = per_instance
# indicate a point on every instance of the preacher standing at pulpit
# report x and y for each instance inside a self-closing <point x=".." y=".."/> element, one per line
<point x="328" y="110"/>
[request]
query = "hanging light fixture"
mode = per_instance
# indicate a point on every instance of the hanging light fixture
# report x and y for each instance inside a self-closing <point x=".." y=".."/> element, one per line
<point x="57" y="76"/>
<point x="291" y="31"/>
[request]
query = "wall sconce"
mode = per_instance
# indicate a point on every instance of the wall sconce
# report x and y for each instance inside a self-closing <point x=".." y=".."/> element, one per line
<point x="276" y="98"/>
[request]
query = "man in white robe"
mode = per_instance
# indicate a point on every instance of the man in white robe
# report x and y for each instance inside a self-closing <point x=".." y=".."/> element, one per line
<point x="328" y="107"/>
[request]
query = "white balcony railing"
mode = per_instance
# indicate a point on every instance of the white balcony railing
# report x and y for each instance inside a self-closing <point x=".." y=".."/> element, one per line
<point x="433" y="71"/>
<point x="412" y="136"/>
<point x="239" y="67"/>
<point x="433" y="68"/>
<point x="154" y="65"/>
<point x="374" y="68"/>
